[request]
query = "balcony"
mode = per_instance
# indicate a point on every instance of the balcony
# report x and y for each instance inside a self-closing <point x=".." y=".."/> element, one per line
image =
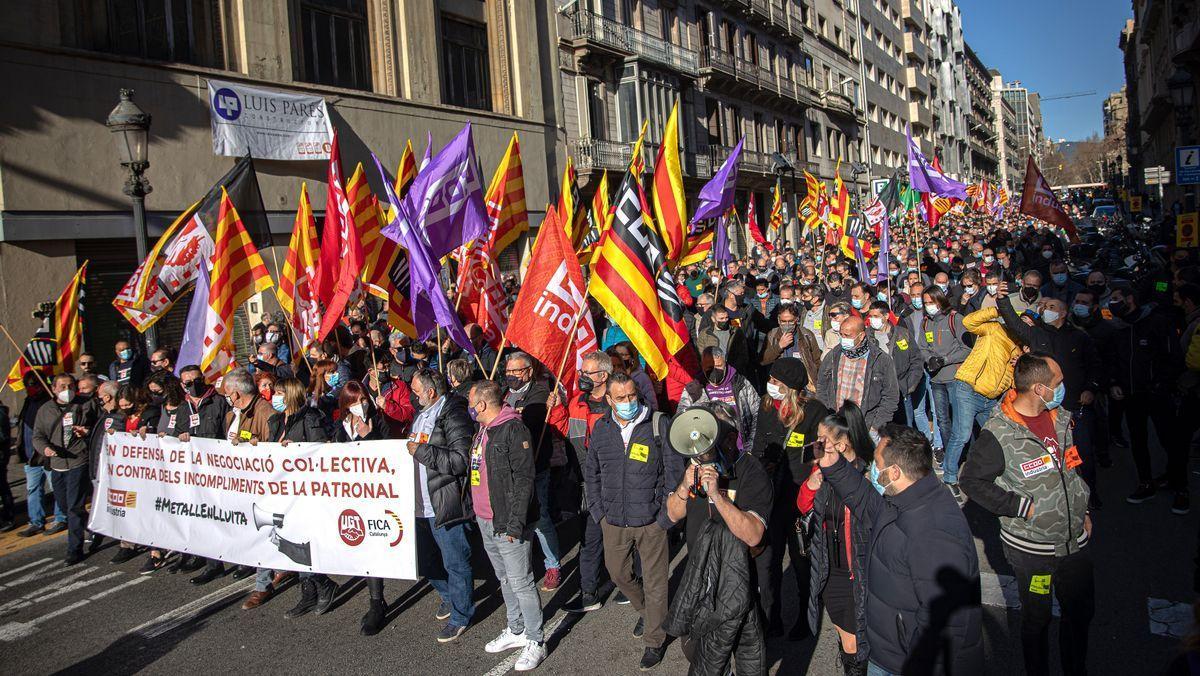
<point x="916" y="80"/>
<point x="919" y="116"/>
<point x="837" y="102"/>
<point x="779" y="16"/>
<point x="915" y="47"/>
<point x="751" y="161"/>
<point x="761" y="8"/>
<point x="910" y="12"/>
<point x="592" y="154"/>
<point x="719" y="63"/>
<point x="796" y="25"/>
<point x="589" y="28"/>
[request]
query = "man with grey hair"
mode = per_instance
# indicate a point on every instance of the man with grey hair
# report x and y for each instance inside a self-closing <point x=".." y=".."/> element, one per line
<point x="529" y="397"/>
<point x="60" y="435"/>
<point x="588" y="404"/>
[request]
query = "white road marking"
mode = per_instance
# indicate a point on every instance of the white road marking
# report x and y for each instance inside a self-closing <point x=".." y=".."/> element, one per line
<point x="548" y="635"/>
<point x="27" y="566"/>
<point x="1168" y="618"/>
<point x="12" y="631"/>
<point x="53" y="591"/>
<point x="177" y="617"/>
<point x="47" y="570"/>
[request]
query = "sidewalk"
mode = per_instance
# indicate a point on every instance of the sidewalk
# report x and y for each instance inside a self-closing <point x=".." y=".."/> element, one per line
<point x="11" y="541"/>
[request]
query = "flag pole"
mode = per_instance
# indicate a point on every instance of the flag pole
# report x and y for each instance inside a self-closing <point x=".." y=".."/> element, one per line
<point x="499" y="353"/>
<point x="21" y="358"/>
<point x="441" y="362"/>
<point x="275" y="292"/>
<point x="561" y="365"/>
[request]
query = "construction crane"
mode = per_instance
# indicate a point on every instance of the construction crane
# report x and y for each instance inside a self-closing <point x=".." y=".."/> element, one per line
<point x="1071" y="95"/>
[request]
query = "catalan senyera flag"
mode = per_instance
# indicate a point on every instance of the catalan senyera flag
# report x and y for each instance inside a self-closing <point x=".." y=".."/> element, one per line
<point x="637" y="161"/>
<point x="39" y="356"/>
<point x="297" y="293"/>
<point x="601" y="216"/>
<point x="407" y="171"/>
<point x="699" y="246"/>
<point x="633" y="284"/>
<point x="775" y="221"/>
<point x="574" y="218"/>
<point x="386" y="275"/>
<point x="839" y="208"/>
<point x="238" y="273"/>
<point x="364" y="212"/>
<point x="68" y="322"/>
<point x="670" y="208"/>
<point x="505" y="201"/>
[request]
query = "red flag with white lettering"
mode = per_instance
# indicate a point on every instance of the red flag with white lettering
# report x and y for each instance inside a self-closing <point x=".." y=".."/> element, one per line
<point x="1038" y="200"/>
<point x="483" y="300"/>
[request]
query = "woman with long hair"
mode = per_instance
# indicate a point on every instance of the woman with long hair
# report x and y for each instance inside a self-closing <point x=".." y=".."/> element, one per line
<point x="324" y="385"/>
<point x="786" y="428"/>
<point x="838" y="554"/>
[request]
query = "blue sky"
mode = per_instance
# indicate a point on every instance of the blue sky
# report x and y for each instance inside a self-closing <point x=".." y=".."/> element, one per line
<point x="1053" y="47"/>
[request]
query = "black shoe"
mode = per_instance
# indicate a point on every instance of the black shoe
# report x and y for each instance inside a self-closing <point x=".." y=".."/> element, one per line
<point x="1182" y="503"/>
<point x="124" y="554"/>
<point x="651" y="658"/>
<point x="372" y="622"/>
<point x="639" y="628"/>
<point x="799" y="631"/>
<point x="73" y="559"/>
<point x="939" y="456"/>
<point x="152" y="564"/>
<point x="620" y="598"/>
<point x="584" y="603"/>
<point x="242" y="572"/>
<point x="443" y="611"/>
<point x="307" y="602"/>
<point x="325" y="593"/>
<point x="1143" y="493"/>
<point x="57" y="528"/>
<point x="450" y="632"/>
<point x="1161" y="481"/>
<point x="208" y="575"/>
<point x="96" y="543"/>
<point x="7" y="524"/>
<point x="31" y="531"/>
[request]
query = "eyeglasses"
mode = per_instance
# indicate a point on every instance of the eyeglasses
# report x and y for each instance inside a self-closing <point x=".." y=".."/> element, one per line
<point x="514" y="372"/>
<point x="162" y="360"/>
<point x="593" y="373"/>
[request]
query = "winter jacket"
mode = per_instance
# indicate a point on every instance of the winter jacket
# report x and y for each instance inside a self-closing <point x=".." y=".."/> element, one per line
<point x="922" y="611"/>
<point x="446" y="457"/>
<point x="941" y="336"/>
<point x="583" y="412"/>
<point x="255" y="422"/>
<point x="25" y="423"/>
<point x="906" y="358"/>
<point x="107" y="423"/>
<point x="881" y="392"/>
<point x="171" y="422"/>
<point x="51" y="430"/>
<point x="737" y="351"/>
<point x="714" y="606"/>
<point x="530" y="404"/>
<point x="746" y="400"/>
<point x="627" y="484"/>
<point x="988" y="368"/>
<point x="398" y="407"/>
<point x="782" y="448"/>
<point x="508" y="460"/>
<point x="211" y="409"/>
<point x="1144" y="354"/>
<point x="307" y="424"/>
<point x="854" y="538"/>
<point x="1007" y="471"/>
<point x="132" y="372"/>
<point x="1069" y="345"/>
<point x="804" y="347"/>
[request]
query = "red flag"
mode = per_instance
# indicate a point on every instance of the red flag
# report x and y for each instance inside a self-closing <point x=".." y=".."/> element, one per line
<point x="552" y="295"/>
<point x="333" y="231"/>
<point x="1038" y="200"/>
<point x="483" y="300"/>
<point x="361" y="215"/>
<point x="752" y="225"/>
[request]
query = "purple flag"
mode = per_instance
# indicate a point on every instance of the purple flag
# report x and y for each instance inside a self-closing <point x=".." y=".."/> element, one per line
<point x="721" y="254"/>
<point x="925" y="178"/>
<point x="191" y="346"/>
<point x="445" y="202"/>
<point x="717" y="195"/>
<point x="430" y="308"/>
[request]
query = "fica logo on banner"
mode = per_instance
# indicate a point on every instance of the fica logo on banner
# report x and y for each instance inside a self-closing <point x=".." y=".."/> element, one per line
<point x="354" y="529"/>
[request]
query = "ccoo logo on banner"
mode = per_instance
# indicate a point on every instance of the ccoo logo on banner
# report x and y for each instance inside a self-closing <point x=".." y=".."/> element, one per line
<point x="341" y="509"/>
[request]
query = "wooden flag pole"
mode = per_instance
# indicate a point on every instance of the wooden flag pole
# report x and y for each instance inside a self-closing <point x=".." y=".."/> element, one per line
<point x="499" y="355"/>
<point x="561" y="365"/>
<point x="21" y="358"/>
<point x="295" y="339"/>
<point x="441" y="362"/>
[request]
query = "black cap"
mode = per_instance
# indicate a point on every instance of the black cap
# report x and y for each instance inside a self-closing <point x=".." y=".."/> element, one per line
<point x="791" y="372"/>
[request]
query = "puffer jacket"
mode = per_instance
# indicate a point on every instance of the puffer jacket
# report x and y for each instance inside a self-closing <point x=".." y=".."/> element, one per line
<point x="856" y="535"/>
<point x="941" y="336"/>
<point x="109" y="422"/>
<point x="447" y="459"/>
<point x="211" y="424"/>
<point x="714" y="606"/>
<point x="510" y="471"/>
<point x="988" y="368"/>
<point x="627" y="484"/>
<point x="1006" y="472"/>
<point x="906" y="358"/>
<point x="746" y="398"/>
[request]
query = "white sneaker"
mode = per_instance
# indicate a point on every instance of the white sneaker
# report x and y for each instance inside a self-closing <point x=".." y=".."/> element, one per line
<point x="505" y="641"/>
<point x="531" y="657"/>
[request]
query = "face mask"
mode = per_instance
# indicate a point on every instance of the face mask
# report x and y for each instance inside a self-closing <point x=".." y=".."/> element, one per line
<point x="917" y="303"/>
<point x="1047" y="254"/>
<point x="65" y="396"/>
<point x="857" y="303"/>
<point x="155" y="399"/>
<point x="627" y="410"/>
<point x="1051" y="316"/>
<point x="776" y="392"/>
<point x="787" y="327"/>
<point x="272" y="337"/>
<point x="835" y="324"/>
<point x="277" y="403"/>
<point x="1029" y="294"/>
<point x="874" y="475"/>
<point x="876" y="322"/>
<point x="1118" y="308"/>
<point x="932" y="310"/>
<point x="196" y="388"/>
<point x="989" y="259"/>
<point x="882" y="295"/>
<point x="993" y="288"/>
<point x="944" y="287"/>
<point x="586" y="384"/>
<point x="716" y="376"/>
<point x="786" y="301"/>
<point x="126" y="354"/>
<point x="969" y="290"/>
<point x="1057" y="399"/>
<point x="332" y="379"/>
<point x="763" y="294"/>
<point x="357" y="411"/>
<point x="1097" y="289"/>
<point x="514" y="383"/>
<point x="229" y="400"/>
<point x="258" y="339"/>
<point x="1059" y="278"/>
<point x="721" y="326"/>
<point x="1081" y="310"/>
<point x="847" y="344"/>
<point x="945" y="259"/>
<point x="473" y="413"/>
<point x="715" y="280"/>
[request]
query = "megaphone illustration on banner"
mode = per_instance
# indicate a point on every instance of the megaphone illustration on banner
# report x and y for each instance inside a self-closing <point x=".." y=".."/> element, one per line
<point x="300" y="552"/>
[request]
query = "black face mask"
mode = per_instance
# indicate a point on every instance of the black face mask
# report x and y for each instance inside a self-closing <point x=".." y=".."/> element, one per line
<point x="157" y="399"/>
<point x="715" y="376"/>
<point x="515" y="383"/>
<point x="196" y="388"/>
<point x="1097" y="289"/>
<point x="721" y="326"/>
<point x="1029" y="293"/>
<point x="586" y="384"/>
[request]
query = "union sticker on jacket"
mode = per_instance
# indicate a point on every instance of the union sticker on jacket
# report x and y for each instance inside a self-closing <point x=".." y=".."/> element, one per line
<point x="1037" y="465"/>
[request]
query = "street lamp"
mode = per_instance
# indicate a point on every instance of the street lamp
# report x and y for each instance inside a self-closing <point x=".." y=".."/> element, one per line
<point x="130" y="126"/>
<point x="784" y="166"/>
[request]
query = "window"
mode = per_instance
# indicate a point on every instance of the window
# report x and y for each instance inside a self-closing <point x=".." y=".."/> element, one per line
<point x="333" y="43"/>
<point x="182" y="31"/>
<point x="466" y="79"/>
<point x="597" y="113"/>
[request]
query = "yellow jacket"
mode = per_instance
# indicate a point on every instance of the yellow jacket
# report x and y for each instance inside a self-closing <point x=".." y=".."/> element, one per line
<point x="988" y="368"/>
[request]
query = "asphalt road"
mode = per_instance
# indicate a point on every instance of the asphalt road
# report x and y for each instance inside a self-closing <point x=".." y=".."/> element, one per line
<point x="101" y="618"/>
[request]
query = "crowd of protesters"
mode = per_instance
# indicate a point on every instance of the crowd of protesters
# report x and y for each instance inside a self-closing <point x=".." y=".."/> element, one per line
<point x="859" y="412"/>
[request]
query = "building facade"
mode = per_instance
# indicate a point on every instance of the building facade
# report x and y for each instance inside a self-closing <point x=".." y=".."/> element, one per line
<point x="1027" y="107"/>
<point x="981" y="120"/>
<point x="1010" y="160"/>
<point x="948" y="87"/>
<point x="1115" y="110"/>
<point x="917" y="72"/>
<point x="885" y="63"/>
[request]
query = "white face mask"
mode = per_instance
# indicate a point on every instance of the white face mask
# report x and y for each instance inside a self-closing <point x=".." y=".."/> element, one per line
<point x="993" y="288"/>
<point x="65" y="396"/>
<point x="876" y="322"/>
<point x="1051" y="316"/>
<point x="776" y="392"/>
<point x="357" y="411"/>
<point x="835" y="324"/>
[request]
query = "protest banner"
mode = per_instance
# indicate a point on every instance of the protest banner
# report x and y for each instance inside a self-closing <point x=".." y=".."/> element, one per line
<point x="267" y="124"/>
<point x="341" y="509"/>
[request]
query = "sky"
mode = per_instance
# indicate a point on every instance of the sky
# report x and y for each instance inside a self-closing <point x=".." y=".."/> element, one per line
<point x="1053" y="47"/>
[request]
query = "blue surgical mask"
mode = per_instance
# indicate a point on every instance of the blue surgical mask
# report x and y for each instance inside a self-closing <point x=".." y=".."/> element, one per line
<point x="1080" y="310"/>
<point x="847" y="343"/>
<point x="944" y="287"/>
<point x="882" y="295"/>
<point x="1059" y="278"/>
<point x="857" y="303"/>
<point x="917" y="303"/>
<point x="628" y="409"/>
<point x="125" y="354"/>
<point x="1050" y="316"/>
<point x="1057" y="400"/>
<point x="277" y="402"/>
<point x="873" y="476"/>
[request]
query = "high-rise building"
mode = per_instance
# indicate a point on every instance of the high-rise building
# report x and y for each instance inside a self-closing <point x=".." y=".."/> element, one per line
<point x="1115" y="110"/>
<point x="885" y="62"/>
<point x="948" y="87"/>
<point x="916" y="72"/>
<point x="1010" y="162"/>
<point x="1027" y="107"/>
<point x="981" y="120"/>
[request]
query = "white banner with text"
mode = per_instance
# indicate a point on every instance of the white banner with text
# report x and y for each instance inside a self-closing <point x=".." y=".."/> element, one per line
<point x="267" y="124"/>
<point x="341" y="509"/>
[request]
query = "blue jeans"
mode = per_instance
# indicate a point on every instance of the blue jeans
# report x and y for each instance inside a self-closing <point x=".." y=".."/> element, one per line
<point x="876" y="670"/>
<point x="510" y="560"/>
<point x="35" y="484"/>
<point x="450" y="573"/>
<point x="969" y="407"/>
<point x="544" y="528"/>
<point x="919" y="409"/>
<point x="263" y="578"/>
<point x="942" y="402"/>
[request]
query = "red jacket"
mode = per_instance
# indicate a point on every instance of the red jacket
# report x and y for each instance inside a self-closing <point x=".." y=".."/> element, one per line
<point x="397" y="406"/>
